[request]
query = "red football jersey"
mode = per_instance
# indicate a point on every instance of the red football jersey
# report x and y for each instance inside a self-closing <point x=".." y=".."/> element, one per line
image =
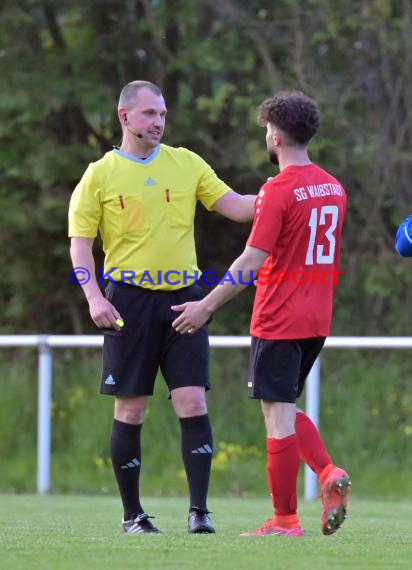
<point x="298" y="221"/>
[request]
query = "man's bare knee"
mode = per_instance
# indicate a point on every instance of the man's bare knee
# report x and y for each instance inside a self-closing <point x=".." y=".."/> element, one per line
<point x="279" y="418"/>
<point x="130" y="409"/>
<point x="189" y="401"/>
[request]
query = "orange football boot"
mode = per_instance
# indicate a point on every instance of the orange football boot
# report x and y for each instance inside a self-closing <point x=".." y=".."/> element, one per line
<point x="336" y="486"/>
<point x="272" y="526"/>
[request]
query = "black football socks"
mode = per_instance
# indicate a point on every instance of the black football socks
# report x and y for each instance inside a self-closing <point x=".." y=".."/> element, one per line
<point x="126" y="456"/>
<point x="197" y="447"/>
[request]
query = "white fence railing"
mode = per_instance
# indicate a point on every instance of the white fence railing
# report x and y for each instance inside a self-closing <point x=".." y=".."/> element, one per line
<point x="46" y="344"/>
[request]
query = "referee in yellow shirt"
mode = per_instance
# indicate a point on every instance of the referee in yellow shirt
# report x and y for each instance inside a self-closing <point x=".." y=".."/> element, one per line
<point x="142" y="198"/>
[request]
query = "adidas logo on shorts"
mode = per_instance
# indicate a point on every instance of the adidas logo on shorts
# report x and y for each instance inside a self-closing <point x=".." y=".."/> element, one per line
<point x="110" y="380"/>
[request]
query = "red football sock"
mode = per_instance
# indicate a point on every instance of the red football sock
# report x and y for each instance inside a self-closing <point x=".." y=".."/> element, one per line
<point x="283" y="470"/>
<point x="287" y="521"/>
<point x="312" y="449"/>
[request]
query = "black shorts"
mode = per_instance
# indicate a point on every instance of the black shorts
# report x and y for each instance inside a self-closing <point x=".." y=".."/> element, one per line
<point x="278" y="368"/>
<point x="147" y="342"/>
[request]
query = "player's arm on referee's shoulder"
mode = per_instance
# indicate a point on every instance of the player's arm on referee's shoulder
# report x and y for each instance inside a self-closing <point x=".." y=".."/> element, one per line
<point x="236" y="207"/>
<point x="404" y="238"/>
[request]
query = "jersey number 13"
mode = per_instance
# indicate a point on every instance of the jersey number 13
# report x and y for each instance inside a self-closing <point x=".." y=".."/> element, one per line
<point x="327" y="215"/>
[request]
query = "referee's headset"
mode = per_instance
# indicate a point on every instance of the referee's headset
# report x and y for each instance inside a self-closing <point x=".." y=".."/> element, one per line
<point x="138" y="135"/>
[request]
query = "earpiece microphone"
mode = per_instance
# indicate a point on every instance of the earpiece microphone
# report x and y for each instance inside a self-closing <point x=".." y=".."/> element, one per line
<point x="138" y="135"/>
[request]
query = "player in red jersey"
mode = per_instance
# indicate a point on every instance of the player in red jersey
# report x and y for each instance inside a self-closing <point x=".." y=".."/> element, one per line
<point x="295" y="240"/>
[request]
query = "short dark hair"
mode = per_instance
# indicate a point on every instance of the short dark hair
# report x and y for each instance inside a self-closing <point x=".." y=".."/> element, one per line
<point x="130" y="91"/>
<point x="292" y="112"/>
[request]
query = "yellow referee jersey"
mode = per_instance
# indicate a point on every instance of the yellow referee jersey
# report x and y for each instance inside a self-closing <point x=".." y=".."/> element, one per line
<point x="144" y="209"/>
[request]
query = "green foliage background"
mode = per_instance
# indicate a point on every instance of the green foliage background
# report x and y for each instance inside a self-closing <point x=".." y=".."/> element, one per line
<point x="62" y="65"/>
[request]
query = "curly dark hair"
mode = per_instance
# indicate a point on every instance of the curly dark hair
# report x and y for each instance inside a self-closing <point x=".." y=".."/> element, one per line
<point x="292" y="112"/>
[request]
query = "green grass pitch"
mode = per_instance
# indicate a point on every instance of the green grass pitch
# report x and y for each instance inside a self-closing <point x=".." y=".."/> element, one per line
<point x="82" y="532"/>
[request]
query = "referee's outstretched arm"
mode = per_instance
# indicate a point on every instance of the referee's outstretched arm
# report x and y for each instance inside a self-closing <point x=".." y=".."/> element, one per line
<point x="404" y="238"/>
